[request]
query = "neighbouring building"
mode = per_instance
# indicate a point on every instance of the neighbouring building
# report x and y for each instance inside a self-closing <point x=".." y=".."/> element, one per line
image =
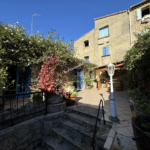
<point x="111" y="37"/>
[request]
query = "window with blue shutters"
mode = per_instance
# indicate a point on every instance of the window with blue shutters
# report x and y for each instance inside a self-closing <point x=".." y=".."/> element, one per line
<point x="103" y="32"/>
<point x="87" y="58"/>
<point x="105" y="51"/>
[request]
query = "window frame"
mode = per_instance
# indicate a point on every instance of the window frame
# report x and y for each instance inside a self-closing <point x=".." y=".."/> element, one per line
<point x="104" y="28"/>
<point x="144" y="8"/>
<point x="105" y="51"/>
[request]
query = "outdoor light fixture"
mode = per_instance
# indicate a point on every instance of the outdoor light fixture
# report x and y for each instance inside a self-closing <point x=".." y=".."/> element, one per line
<point x="113" y="113"/>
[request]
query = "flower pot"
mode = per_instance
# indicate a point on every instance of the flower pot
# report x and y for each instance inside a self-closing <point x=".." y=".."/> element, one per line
<point x="54" y="98"/>
<point x="141" y="138"/>
<point x="73" y="97"/>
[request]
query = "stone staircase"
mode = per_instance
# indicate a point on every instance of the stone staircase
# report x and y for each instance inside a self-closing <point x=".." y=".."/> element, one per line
<point x="75" y="131"/>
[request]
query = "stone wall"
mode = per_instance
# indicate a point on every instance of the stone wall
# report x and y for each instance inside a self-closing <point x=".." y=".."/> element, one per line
<point x="118" y="39"/>
<point x="81" y="51"/>
<point x="136" y="25"/>
<point x="28" y="135"/>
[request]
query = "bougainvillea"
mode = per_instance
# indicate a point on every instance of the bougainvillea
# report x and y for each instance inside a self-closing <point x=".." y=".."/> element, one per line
<point x="46" y="75"/>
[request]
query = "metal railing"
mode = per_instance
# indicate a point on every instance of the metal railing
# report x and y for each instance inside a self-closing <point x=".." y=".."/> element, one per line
<point x="95" y="128"/>
<point x="20" y="107"/>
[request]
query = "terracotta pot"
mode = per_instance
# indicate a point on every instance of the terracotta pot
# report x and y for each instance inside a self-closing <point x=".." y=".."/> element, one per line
<point x="73" y="97"/>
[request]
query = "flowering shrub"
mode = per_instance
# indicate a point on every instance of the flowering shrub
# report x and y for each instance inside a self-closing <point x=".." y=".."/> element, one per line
<point x="46" y="76"/>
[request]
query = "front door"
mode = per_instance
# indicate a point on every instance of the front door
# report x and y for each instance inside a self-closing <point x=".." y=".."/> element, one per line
<point x="79" y="79"/>
<point x="22" y="80"/>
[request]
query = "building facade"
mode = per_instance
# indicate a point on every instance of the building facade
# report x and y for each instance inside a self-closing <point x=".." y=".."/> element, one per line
<point x="111" y="37"/>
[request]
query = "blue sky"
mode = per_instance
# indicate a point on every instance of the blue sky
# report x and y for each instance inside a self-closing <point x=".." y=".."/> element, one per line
<point x="70" y="18"/>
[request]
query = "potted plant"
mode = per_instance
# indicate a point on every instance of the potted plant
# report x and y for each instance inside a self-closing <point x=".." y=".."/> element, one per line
<point x="37" y="98"/>
<point x="88" y="82"/>
<point x="141" y="123"/>
<point x="73" y="96"/>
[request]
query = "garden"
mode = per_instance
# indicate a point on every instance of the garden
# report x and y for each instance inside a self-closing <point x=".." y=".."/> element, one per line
<point x="54" y="55"/>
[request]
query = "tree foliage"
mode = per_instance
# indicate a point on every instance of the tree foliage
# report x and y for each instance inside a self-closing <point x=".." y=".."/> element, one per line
<point x="18" y="47"/>
<point x="137" y="59"/>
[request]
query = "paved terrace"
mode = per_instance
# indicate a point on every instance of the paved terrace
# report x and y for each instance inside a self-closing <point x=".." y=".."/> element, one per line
<point x="121" y="133"/>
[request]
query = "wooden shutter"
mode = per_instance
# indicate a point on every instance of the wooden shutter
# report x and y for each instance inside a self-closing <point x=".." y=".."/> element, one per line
<point x="107" y="50"/>
<point x="138" y="14"/>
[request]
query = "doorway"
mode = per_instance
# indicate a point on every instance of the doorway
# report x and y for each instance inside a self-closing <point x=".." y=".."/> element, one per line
<point x="79" y="75"/>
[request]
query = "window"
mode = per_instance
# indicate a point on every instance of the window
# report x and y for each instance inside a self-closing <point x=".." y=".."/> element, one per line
<point x="87" y="58"/>
<point x="103" y="32"/>
<point x="86" y="43"/>
<point x="145" y="11"/>
<point x="105" y="51"/>
<point x="140" y="14"/>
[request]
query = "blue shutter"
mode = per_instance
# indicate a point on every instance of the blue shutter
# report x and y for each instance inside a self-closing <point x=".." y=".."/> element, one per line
<point x="107" y="50"/>
<point x="138" y="14"/>
<point x="87" y="59"/>
<point x="104" y="51"/>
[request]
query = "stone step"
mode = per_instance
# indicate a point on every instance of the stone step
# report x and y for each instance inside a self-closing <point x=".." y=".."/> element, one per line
<point x="87" y="133"/>
<point x="86" y="111"/>
<point x="53" y="143"/>
<point x="72" y="139"/>
<point x="86" y="121"/>
<point x="91" y="113"/>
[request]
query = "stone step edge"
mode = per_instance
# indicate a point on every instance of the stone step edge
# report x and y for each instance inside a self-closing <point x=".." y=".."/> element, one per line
<point x="70" y="143"/>
<point x="107" y="121"/>
<point x="86" y="114"/>
<point x="47" y="143"/>
<point x="87" y="122"/>
<point x="84" y="133"/>
<point x="78" y="131"/>
<point x="109" y="140"/>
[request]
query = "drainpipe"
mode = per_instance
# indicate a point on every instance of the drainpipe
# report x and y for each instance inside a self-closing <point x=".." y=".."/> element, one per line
<point x="128" y="11"/>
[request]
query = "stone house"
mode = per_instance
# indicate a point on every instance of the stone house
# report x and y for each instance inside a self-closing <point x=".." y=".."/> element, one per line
<point x="139" y="18"/>
<point x="111" y="37"/>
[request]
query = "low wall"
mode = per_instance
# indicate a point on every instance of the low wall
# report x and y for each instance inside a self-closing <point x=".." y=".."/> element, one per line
<point x="28" y="135"/>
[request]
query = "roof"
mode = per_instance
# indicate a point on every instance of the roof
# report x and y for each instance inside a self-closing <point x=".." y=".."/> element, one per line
<point x="111" y="15"/>
<point x="138" y="4"/>
<point x="116" y="63"/>
<point x="84" y="34"/>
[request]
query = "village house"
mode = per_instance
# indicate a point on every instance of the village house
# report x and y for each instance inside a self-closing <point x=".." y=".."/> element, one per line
<point x="111" y="37"/>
